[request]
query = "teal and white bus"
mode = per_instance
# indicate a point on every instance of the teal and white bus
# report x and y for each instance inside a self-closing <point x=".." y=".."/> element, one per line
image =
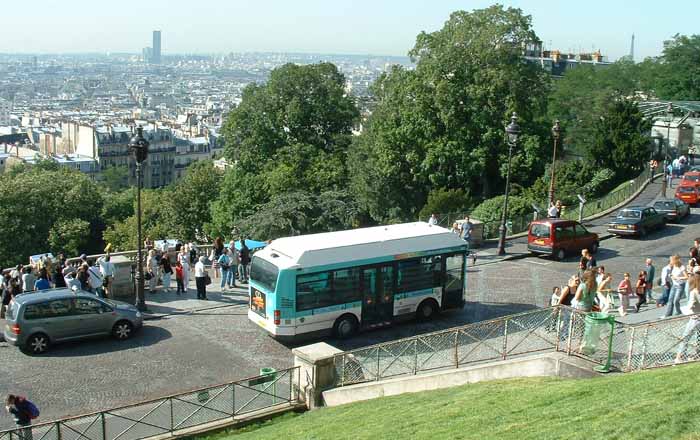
<point x="348" y="280"/>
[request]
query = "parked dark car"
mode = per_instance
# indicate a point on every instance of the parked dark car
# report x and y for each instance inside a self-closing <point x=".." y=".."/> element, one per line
<point x="674" y="209"/>
<point x="637" y="220"/>
<point x="560" y="237"/>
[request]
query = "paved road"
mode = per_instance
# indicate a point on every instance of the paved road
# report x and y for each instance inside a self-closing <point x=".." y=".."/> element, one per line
<point x="498" y="288"/>
<point x="181" y="352"/>
<point x="170" y="355"/>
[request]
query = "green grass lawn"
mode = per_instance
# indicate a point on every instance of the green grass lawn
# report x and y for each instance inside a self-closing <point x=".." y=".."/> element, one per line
<point x="657" y="404"/>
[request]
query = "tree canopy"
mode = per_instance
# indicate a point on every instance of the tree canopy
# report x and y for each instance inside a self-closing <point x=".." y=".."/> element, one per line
<point x="48" y="210"/>
<point x="442" y="124"/>
<point x="288" y="140"/>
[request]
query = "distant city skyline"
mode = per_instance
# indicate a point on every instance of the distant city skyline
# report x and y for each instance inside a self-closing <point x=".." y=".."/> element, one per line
<point x="315" y="26"/>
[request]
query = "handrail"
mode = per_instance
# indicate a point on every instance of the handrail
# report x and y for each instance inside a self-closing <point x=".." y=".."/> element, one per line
<point x="560" y="328"/>
<point x="591" y="208"/>
<point x="267" y="390"/>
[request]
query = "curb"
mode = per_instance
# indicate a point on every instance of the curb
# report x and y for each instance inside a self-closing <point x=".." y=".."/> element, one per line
<point x="157" y="316"/>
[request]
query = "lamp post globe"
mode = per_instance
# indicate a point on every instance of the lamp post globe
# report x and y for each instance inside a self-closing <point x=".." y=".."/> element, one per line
<point x="556" y="135"/>
<point x="512" y="133"/>
<point x="138" y="146"/>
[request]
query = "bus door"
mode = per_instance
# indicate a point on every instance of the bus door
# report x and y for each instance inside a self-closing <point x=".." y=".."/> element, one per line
<point x="454" y="267"/>
<point x="377" y="294"/>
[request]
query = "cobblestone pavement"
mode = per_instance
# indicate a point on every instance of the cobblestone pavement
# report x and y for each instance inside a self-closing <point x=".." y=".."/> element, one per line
<point x="186" y="349"/>
<point x="168" y="356"/>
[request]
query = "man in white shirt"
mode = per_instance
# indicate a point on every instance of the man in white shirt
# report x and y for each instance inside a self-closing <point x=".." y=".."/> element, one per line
<point x="433" y="220"/>
<point x="552" y="212"/>
<point x="107" y="271"/>
<point x="200" y="277"/>
<point x="665" y="283"/>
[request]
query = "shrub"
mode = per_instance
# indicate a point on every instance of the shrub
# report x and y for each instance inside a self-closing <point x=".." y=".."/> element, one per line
<point x="491" y="209"/>
<point x="443" y="201"/>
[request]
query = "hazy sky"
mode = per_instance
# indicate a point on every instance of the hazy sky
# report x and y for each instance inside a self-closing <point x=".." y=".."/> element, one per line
<point x="384" y="27"/>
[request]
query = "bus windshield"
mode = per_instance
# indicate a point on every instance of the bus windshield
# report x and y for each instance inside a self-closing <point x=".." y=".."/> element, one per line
<point x="264" y="273"/>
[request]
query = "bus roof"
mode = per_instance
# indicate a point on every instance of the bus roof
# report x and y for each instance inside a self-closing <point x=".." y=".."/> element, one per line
<point x="358" y="244"/>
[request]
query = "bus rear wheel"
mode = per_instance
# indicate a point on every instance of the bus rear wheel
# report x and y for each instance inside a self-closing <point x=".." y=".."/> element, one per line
<point x="427" y="310"/>
<point x="345" y="326"/>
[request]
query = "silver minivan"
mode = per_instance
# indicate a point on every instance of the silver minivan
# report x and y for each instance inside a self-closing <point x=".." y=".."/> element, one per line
<point x="36" y="320"/>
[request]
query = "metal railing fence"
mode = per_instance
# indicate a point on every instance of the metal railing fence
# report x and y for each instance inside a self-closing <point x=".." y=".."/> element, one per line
<point x="171" y="414"/>
<point x="520" y="223"/>
<point x="497" y="339"/>
<point x="561" y="328"/>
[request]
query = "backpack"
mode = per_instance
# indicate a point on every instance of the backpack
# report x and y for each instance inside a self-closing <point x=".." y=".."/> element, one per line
<point x="30" y="409"/>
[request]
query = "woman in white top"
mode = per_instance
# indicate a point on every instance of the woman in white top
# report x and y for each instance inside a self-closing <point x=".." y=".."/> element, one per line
<point x="152" y="268"/>
<point x="693" y="308"/>
<point x="604" y="293"/>
<point x="200" y="277"/>
<point x="184" y="258"/>
<point x="678" y="279"/>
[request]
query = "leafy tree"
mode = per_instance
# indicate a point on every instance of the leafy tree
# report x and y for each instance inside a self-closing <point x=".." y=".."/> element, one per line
<point x="69" y="236"/>
<point x="490" y="210"/>
<point x="240" y="193"/>
<point x="189" y="201"/>
<point x="118" y="206"/>
<point x="583" y="94"/>
<point x="298" y="105"/>
<point x="288" y="139"/>
<point x="46" y="164"/>
<point x="573" y="177"/>
<point x="36" y="204"/>
<point x="156" y="221"/>
<point x="445" y="201"/>
<point x="621" y="140"/>
<point x="442" y="125"/>
<point x="301" y="212"/>
<point x="115" y="178"/>
<point x="676" y="74"/>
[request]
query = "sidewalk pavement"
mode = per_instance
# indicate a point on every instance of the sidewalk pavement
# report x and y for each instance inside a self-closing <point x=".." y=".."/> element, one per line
<point x="516" y="246"/>
<point x="161" y="304"/>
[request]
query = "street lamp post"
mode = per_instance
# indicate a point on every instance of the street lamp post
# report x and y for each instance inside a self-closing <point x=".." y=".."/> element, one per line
<point x="512" y="131"/>
<point x="556" y="134"/>
<point x="668" y="119"/>
<point x="139" y="147"/>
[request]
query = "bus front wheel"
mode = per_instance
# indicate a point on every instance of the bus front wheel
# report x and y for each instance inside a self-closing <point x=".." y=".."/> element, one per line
<point x="427" y="310"/>
<point x="345" y="326"/>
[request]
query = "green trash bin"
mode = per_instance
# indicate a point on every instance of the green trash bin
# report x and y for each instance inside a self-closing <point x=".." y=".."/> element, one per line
<point x="594" y="325"/>
<point x="269" y="375"/>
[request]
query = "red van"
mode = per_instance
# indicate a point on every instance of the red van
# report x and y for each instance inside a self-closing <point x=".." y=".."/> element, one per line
<point x="688" y="193"/>
<point x="560" y="237"/>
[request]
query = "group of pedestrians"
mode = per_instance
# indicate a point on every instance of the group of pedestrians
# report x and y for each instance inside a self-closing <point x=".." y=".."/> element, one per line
<point x="228" y="263"/>
<point x="47" y="273"/>
<point x="594" y="289"/>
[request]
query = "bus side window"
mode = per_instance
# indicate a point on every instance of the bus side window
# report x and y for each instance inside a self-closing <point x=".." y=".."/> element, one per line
<point x="346" y="286"/>
<point x="313" y="291"/>
<point x="415" y="275"/>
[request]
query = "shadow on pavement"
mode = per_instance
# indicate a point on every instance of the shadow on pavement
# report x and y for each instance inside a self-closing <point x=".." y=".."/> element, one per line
<point x="146" y="336"/>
